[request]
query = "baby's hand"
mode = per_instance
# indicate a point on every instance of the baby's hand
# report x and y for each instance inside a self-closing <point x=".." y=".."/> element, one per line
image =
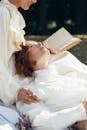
<point x="27" y="96"/>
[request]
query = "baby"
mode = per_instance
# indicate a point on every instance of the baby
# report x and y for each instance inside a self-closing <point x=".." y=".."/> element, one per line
<point x="58" y="93"/>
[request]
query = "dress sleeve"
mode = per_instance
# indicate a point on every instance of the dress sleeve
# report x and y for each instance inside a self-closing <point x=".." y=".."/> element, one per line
<point x="4" y="31"/>
<point x="69" y="116"/>
<point x="61" y="119"/>
<point x="8" y="88"/>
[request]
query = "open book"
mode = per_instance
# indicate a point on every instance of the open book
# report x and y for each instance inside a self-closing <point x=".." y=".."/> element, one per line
<point x="60" y="41"/>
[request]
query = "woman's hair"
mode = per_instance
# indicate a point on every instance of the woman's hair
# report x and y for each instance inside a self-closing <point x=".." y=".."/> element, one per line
<point x="22" y="63"/>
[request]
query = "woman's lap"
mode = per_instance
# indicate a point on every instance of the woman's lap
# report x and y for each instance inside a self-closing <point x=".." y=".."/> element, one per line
<point x="8" y="118"/>
<point x="5" y="124"/>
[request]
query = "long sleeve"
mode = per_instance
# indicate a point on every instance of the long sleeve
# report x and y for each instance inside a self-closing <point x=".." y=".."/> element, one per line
<point x="11" y="30"/>
<point x="8" y="88"/>
<point x="4" y="33"/>
<point x="61" y="119"/>
<point x="67" y="117"/>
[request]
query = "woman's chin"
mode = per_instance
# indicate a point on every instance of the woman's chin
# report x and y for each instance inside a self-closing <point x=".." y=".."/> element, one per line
<point x="25" y="8"/>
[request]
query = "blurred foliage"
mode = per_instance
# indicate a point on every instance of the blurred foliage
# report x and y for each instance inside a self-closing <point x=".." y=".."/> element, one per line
<point x="51" y="25"/>
<point x="46" y="16"/>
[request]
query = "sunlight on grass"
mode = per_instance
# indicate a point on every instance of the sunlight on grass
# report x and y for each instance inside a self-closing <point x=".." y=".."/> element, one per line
<point x="51" y="25"/>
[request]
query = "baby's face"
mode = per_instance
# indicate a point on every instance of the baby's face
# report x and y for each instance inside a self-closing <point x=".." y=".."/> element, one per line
<point x="38" y="55"/>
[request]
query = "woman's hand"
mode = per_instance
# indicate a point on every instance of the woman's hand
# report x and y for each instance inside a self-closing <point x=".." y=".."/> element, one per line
<point x="26" y="96"/>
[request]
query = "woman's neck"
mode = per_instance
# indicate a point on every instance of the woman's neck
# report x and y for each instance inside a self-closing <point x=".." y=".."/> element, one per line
<point x="14" y="2"/>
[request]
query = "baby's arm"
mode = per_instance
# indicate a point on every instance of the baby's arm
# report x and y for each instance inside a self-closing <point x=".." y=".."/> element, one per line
<point x="61" y="119"/>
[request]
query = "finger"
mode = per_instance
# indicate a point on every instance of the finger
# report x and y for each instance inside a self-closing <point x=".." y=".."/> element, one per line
<point x="29" y="94"/>
<point x="22" y="92"/>
<point x="29" y="98"/>
<point x="28" y="101"/>
<point x="35" y="97"/>
<point x="32" y="95"/>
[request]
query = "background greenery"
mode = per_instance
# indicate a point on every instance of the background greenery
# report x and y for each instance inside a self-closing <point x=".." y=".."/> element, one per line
<point x="47" y="16"/>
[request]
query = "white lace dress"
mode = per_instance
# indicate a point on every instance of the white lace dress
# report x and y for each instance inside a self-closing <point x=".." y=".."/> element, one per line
<point x="62" y="87"/>
<point x="11" y="35"/>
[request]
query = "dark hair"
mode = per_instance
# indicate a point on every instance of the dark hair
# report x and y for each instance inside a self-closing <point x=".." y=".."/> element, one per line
<point x="22" y="64"/>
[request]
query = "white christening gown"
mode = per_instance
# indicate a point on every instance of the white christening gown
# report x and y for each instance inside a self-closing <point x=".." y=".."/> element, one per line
<point x="61" y="87"/>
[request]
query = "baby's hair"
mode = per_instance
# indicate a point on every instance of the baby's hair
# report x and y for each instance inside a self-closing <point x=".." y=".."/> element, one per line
<point x="22" y="62"/>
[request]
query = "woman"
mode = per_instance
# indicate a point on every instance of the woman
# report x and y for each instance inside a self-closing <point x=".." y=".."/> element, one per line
<point x="11" y="28"/>
<point x="60" y="85"/>
<point x="11" y="37"/>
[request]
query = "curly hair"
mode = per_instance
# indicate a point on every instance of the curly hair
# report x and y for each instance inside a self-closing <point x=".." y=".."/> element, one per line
<point x="22" y="64"/>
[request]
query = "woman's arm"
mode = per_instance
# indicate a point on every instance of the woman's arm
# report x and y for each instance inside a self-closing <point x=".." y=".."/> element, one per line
<point x="10" y="91"/>
<point x="8" y="87"/>
<point x="4" y="33"/>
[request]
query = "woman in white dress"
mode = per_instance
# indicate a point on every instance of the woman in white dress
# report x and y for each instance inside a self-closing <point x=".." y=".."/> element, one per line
<point x="61" y="86"/>
<point x="11" y="36"/>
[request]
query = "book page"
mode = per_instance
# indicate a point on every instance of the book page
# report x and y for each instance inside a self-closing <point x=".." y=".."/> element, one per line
<point x="61" y="40"/>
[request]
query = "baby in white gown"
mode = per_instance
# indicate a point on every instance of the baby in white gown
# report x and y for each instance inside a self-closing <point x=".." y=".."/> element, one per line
<point x="60" y="85"/>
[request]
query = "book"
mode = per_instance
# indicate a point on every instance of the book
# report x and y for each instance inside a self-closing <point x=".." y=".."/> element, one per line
<point x="61" y="41"/>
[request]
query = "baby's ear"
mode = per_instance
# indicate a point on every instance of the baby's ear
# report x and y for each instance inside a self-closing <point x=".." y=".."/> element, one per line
<point x="34" y="62"/>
